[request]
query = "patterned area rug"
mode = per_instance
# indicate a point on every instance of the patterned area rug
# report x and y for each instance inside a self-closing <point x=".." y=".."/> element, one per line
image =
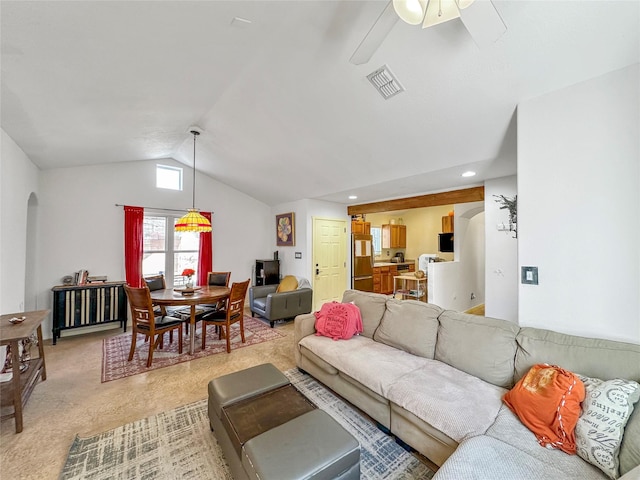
<point x="178" y="444"/>
<point x="115" y="350"/>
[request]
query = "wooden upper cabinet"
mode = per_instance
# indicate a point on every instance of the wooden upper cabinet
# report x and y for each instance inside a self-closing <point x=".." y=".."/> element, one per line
<point x="361" y="227"/>
<point x="394" y="236"/>
<point x="447" y="224"/>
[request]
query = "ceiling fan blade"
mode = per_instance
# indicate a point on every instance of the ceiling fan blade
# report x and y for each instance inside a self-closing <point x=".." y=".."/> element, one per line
<point x="376" y="35"/>
<point x="483" y="22"/>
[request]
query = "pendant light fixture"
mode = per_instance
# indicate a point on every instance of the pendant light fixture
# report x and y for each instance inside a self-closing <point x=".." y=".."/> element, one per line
<point x="193" y="221"/>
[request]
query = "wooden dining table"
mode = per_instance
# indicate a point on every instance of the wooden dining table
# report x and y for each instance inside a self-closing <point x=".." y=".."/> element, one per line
<point x="207" y="294"/>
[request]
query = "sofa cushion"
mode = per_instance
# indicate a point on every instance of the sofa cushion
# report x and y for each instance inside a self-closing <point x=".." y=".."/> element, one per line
<point x="481" y="346"/>
<point x="606" y="411"/>
<point x="372" y="307"/>
<point x="547" y="400"/>
<point x="260" y="303"/>
<point x="630" y="448"/>
<point x="485" y="457"/>
<point x="458" y="404"/>
<point x="373" y="364"/>
<point x="510" y="430"/>
<point x="411" y="326"/>
<point x="592" y="357"/>
<point x="319" y="362"/>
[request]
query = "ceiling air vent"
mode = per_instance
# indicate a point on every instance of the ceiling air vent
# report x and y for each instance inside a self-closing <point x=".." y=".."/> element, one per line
<point x="385" y="82"/>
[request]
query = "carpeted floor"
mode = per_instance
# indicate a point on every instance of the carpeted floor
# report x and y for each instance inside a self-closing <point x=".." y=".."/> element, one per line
<point x="115" y="350"/>
<point x="179" y="444"/>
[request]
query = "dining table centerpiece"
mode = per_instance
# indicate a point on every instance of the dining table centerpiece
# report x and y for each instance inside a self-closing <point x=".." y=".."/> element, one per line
<point x="188" y="272"/>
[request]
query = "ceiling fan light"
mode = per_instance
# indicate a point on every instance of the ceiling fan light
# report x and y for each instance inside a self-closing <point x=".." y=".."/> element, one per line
<point x="410" y="11"/>
<point x="440" y="11"/>
<point x="462" y="4"/>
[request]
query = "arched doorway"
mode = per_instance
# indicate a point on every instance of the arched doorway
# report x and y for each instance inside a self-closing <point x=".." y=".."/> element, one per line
<point x="30" y="287"/>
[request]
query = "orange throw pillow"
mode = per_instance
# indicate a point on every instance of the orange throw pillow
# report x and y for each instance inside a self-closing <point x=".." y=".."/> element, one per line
<point x="547" y="400"/>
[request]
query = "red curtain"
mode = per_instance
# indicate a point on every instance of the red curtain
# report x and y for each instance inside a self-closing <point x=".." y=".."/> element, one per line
<point x="133" y="240"/>
<point x="205" y="254"/>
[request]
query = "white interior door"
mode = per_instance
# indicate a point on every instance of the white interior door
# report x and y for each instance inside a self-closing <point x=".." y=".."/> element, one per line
<point x="329" y="260"/>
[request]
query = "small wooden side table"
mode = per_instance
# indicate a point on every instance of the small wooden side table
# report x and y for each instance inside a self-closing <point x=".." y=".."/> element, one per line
<point x="15" y="393"/>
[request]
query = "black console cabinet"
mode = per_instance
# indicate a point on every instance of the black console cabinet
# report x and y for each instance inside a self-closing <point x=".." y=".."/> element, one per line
<point x="91" y="304"/>
<point x="267" y="272"/>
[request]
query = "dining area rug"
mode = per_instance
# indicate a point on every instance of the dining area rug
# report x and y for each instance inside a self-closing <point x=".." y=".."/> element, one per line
<point x="115" y="350"/>
<point x="178" y="444"/>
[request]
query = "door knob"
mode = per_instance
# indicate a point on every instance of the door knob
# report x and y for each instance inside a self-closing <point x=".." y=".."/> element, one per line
<point x="317" y="271"/>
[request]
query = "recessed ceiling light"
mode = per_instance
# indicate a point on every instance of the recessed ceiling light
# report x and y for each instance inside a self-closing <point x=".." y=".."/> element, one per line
<point x="352" y="197"/>
<point x="468" y="174"/>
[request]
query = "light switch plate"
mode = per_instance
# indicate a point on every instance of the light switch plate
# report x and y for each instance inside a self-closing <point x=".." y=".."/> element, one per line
<point x="298" y="255"/>
<point x="529" y="275"/>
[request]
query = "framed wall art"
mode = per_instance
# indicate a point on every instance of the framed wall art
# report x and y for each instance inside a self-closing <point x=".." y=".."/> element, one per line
<point x="285" y="230"/>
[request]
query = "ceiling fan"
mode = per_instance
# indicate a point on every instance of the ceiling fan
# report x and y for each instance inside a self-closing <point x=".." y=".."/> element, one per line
<point x="480" y="18"/>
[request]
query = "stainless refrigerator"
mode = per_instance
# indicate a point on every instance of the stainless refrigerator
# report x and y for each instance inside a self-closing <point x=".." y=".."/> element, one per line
<point x="362" y="262"/>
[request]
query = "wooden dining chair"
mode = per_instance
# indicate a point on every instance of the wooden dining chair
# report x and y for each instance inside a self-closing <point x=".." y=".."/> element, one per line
<point x="217" y="279"/>
<point x="145" y="322"/>
<point x="157" y="282"/>
<point x="232" y="312"/>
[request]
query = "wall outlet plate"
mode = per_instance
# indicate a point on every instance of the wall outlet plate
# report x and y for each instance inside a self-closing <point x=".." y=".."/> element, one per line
<point x="529" y="275"/>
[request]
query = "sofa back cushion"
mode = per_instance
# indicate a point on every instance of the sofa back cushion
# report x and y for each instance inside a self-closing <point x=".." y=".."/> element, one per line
<point x="411" y="326"/>
<point x="372" y="307"/>
<point x="592" y="357"/>
<point x="481" y="346"/>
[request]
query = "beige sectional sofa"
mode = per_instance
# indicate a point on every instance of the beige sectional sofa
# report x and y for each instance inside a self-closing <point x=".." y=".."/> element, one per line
<point x="436" y="378"/>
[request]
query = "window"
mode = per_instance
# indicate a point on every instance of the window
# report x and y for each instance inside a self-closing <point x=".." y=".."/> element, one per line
<point x="167" y="251"/>
<point x="376" y="234"/>
<point x="168" y="177"/>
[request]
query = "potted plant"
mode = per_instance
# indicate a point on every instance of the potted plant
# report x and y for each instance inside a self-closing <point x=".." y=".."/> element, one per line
<point x="510" y="204"/>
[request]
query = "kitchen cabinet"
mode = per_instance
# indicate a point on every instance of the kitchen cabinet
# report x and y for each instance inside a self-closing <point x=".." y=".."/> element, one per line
<point x="377" y="280"/>
<point x="447" y="224"/>
<point x="394" y="236"/>
<point x="383" y="279"/>
<point x="387" y="280"/>
<point x="363" y="228"/>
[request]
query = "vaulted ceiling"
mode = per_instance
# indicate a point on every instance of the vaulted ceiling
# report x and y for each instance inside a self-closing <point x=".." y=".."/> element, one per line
<point x="285" y="114"/>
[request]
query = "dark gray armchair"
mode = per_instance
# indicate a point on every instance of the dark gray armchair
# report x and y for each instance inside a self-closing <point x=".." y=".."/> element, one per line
<point x="273" y="306"/>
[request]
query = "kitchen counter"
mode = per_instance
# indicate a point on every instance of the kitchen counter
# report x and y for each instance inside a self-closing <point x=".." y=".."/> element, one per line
<point x="391" y="264"/>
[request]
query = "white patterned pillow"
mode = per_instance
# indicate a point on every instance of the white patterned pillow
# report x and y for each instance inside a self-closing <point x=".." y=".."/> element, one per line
<point x="605" y="411"/>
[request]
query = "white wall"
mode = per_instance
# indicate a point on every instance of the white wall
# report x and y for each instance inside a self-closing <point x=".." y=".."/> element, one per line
<point x="82" y="228"/>
<point x="450" y="284"/>
<point x="579" y="207"/>
<point x="501" y="261"/>
<point x="18" y="180"/>
<point x="304" y="211"/>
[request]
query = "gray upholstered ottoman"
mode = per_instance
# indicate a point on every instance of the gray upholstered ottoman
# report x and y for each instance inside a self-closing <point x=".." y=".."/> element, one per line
<point x="268" y="430"/>
<point x="312" y="445"/>
<point x="246" y="383"/>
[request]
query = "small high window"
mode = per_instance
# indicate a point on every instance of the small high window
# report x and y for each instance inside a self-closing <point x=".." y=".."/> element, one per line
<point x="168" y="177"/>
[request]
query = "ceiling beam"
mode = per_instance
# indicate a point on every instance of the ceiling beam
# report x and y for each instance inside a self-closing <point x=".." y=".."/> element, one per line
<point x="475" y="194"/>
